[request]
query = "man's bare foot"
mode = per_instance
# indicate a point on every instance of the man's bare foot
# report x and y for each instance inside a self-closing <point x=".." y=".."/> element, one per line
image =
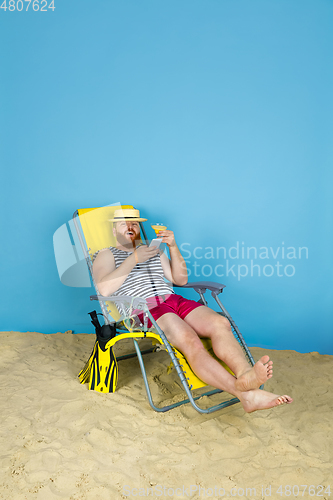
<point x="255" y="376"/>
<point x="262" y="400"/>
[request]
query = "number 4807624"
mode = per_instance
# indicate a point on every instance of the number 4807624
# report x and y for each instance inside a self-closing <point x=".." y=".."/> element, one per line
<point x="20" y="4"/>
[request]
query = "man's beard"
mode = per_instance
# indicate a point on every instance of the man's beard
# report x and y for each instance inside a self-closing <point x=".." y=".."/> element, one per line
<point x="127" y="242"/>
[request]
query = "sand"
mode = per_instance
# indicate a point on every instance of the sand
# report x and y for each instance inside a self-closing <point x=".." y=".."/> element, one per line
<point x="61" y="441"/>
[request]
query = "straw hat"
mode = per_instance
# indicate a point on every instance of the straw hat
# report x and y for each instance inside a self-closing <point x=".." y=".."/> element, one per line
<point x="130" y="214"/>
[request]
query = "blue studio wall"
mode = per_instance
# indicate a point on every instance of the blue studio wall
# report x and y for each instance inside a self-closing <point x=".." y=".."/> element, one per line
<point x="212" y="116"/>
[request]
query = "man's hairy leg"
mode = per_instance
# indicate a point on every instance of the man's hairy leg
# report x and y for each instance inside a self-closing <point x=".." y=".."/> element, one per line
<point x="186" y="340"/>
<point x="208" y="324"/>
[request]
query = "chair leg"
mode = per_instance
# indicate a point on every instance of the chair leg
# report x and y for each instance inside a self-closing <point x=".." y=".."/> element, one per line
<point x="190" y="399"/>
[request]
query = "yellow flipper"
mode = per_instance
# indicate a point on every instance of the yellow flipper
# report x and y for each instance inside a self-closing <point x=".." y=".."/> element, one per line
<point x="101" y="370"/>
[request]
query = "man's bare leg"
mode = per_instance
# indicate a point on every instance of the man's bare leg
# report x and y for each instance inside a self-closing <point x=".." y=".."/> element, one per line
<point x="184" y="338"/>
<point x="208" y="324"/>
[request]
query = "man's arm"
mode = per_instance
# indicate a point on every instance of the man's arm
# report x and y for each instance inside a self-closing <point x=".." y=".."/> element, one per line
<point x="175" y="268"/>
<point x="107" y="277"/>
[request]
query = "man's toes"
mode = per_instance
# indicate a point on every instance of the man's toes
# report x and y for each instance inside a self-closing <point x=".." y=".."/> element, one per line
<point x="270" y="369"/>
<point x="284" y="399"/>
<point x="264" y="359"/>
<point x="269" y="366"/>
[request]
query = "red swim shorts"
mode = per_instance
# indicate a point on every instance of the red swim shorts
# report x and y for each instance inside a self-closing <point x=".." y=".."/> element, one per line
<point x="173" y="303"/>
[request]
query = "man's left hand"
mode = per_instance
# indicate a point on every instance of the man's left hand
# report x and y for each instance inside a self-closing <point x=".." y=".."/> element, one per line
<point x="167" y="237"/>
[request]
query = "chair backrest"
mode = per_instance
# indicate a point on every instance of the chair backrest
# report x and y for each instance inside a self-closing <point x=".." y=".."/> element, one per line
<point x="96" y="227"/>
<point x="96" y="233"/>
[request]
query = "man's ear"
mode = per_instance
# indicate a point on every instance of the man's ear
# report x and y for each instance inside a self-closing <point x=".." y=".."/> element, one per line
<point x="114" y="231"/>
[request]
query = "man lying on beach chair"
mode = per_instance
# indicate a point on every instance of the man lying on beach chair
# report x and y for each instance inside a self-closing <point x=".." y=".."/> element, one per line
<point x="138" y="270"/>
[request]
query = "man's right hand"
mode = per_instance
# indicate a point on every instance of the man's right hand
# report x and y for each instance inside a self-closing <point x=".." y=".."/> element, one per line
<point x="145" y="252"/>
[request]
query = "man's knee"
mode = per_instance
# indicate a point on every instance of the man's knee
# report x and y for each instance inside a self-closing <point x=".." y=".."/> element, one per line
<point x="217" y="323"/>
<point x="187" y="341"/>
<point x="224" y="322"/>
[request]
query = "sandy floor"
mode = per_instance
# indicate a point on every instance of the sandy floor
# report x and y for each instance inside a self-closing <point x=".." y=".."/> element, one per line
<point x="59" y="440"/>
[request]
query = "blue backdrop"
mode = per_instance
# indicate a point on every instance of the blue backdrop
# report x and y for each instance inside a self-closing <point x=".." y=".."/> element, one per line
<point x="214" y="117"/>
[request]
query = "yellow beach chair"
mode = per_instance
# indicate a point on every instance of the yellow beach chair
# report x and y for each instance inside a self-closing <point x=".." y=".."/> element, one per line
<point x="101" y="370"/>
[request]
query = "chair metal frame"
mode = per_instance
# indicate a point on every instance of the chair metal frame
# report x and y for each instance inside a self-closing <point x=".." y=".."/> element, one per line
<point x="140" y="303"/>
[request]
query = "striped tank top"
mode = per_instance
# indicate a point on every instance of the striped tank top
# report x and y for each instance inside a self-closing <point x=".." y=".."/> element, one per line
<point x="145" y="280"/>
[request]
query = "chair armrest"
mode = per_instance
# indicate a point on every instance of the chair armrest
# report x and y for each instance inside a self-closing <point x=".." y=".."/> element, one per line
<point x="202" y="286"/>
<point x="136" y="302"/>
